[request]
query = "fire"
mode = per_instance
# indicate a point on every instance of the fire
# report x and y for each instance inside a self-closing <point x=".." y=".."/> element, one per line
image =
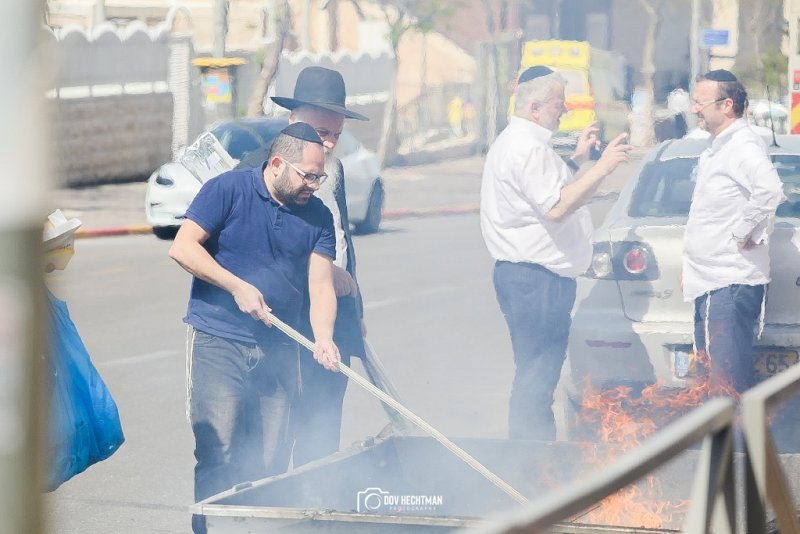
<point x="632" y="506"/>
<point x="621" y="420"/>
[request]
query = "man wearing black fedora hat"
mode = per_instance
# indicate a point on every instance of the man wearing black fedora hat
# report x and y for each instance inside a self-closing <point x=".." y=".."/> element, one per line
<point x="319" y="100"/>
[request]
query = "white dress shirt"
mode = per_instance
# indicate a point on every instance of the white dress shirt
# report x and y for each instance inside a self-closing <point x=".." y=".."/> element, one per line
<point x="522" y="181"/>
<point x="734" y="199"/>
<point x="326" y="194"/>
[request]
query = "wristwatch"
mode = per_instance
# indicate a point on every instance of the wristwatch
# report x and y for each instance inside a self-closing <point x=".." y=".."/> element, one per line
<point x="574" y="167"/>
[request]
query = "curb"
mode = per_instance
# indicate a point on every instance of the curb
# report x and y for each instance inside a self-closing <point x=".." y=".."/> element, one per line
<point x="137" y="229"/>
<point x="394" y="214"/>
<point x="143" y="229"/>
<point x="430" y="212"/>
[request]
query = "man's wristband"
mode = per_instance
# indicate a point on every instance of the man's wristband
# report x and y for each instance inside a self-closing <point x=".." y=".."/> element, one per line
<point x="574" y="167"/>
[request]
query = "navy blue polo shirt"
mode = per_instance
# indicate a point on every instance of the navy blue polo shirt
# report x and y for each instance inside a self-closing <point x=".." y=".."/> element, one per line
<point x="261" y="242"/>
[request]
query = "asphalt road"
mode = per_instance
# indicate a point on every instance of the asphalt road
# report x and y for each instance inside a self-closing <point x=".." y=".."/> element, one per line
<point x="430" y="311"/>
<point x="438" y="186"/>
<point x="431" y="316"/>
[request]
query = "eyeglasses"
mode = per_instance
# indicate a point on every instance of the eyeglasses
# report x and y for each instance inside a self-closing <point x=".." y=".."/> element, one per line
<point x="309" y="177"/>
<point x="703" y="105"/>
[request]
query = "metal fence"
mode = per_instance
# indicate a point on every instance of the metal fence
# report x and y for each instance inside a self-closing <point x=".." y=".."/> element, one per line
<point x="713" y="481"/>
<point x="437" y="113"/>
<point x="713" y="504"/>
<point x="765" y="480"/>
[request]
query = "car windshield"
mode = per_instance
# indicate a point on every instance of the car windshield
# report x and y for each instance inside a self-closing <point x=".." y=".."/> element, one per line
<point x="268" y="130"/>
<point x="665" y="187"/>
<point x="235" y="139"/>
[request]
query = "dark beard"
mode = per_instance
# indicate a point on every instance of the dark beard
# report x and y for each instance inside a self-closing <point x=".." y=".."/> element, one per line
<point x="285" y="193"/>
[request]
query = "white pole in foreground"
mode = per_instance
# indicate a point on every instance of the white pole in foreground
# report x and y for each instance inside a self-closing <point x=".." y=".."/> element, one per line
<point x="23" y="179"/>
<point x="408" y="414"/>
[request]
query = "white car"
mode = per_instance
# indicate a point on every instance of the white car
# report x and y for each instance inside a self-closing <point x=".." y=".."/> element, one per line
<point x="172" y="187"/>
<point x="631" y="326"/>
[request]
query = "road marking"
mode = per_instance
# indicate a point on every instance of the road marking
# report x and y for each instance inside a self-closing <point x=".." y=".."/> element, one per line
<point x="411" y="296"/>
<point x="143" y="358"/>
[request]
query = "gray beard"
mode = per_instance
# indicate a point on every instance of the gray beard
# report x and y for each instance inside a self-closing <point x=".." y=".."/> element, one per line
<point x="332" y="170"/>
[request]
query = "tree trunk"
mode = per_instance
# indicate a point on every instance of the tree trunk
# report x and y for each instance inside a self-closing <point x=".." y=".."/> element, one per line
<point x="387" y="146"/>
<point x="773" y="28"/>
<point x="760" y="31"/>
<point x="424" y="105"/>
<point x="749" y="54"/>
<point x="272" y="56"/>
<point x="333" y="25"/>
<point x="646" y="135"/>
<point x="397" y="22"/>
<point x="491" y="79"/>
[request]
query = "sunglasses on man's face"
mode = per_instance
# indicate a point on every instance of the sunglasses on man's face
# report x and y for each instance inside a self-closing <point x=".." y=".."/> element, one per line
<point x="308" y="177"/>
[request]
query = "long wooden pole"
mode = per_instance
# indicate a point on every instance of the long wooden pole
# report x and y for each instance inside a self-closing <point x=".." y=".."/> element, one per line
<point x="408" y="414"/>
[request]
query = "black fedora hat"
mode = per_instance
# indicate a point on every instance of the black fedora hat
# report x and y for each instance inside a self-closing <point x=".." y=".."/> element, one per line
<point x="320" y="87"/>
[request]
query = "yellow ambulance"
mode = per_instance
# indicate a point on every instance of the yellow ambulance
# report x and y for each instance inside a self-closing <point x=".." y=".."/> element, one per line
<point x="595" y="87"/>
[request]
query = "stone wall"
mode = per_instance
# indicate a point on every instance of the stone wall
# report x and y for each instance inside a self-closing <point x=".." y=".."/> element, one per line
<point x="112" y="138"/>
<point x="121" y="100"/>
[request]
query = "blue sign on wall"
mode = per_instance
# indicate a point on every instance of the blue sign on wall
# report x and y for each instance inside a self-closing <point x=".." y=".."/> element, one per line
<point x="714" y="38"/>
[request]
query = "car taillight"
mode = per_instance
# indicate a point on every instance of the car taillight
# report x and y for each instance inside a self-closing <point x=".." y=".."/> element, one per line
<point x="623" y="260"/>
<point x="601" y="264"/>
<point x="635" y="260"/>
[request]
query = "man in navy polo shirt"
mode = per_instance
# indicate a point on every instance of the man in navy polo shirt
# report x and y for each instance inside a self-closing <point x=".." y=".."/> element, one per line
<point x="254" y="240"/>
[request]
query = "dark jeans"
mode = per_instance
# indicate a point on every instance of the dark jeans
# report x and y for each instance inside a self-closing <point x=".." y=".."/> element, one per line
<point x="316" y="420"/>
<point x="239" y="410"/>
<point x="536" y="304"/>
<point x="731" y="320"/>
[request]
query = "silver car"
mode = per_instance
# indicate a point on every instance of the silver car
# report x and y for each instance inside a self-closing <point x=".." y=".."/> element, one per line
<point x="631" y="326"/>
<point x="171" y="188"/>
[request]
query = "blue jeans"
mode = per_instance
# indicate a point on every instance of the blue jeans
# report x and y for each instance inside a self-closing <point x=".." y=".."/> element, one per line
<point x="240" y="396"/>
<point x="731" y="320"/>
<point x="536" y="304"/>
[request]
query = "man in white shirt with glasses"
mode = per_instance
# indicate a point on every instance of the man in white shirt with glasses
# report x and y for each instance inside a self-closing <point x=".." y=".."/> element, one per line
<point x="726" y="246"/>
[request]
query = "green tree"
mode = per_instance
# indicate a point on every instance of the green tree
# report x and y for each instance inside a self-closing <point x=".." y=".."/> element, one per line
<point x="769" y="71"/>
<point x="644" y="133"/>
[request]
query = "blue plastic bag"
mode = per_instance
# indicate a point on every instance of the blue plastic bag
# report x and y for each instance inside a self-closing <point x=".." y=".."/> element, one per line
<point x="84" y="421"/>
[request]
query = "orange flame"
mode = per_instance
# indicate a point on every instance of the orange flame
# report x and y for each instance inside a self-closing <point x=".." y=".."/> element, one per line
<point x="622" y="420"/>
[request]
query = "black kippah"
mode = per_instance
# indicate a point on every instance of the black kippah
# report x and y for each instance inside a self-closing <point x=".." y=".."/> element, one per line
<point x="534" y="72"/>
<point x="720" y="75"/>
<point x="301" y="130"/>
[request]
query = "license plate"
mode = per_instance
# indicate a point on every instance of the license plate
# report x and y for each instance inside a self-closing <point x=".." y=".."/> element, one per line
<point x="771" y="362"/>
